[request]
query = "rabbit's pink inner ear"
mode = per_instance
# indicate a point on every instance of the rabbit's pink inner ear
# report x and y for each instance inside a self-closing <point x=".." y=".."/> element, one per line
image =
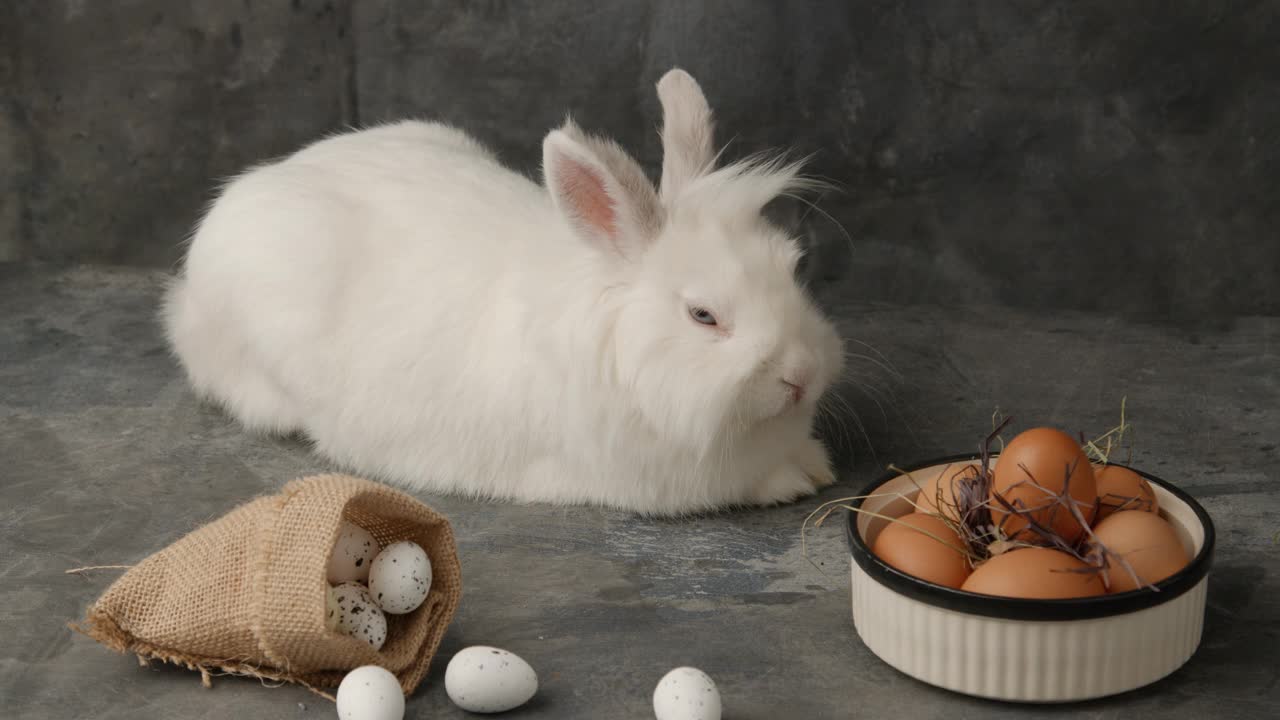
<point x="584" y="192"/>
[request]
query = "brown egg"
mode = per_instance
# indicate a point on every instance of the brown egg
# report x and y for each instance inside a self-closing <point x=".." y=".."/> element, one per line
<point x="906" y="546"/>
<point x="1122" y="489"/>
<point x="1146" y="541"/>
<point x="1041" y="573"/>
<point x="941" y="489"/>
<point x="1030" y="474"/>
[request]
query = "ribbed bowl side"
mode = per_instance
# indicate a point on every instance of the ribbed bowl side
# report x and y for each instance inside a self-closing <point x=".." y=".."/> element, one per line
<point x="1026" y="661"/>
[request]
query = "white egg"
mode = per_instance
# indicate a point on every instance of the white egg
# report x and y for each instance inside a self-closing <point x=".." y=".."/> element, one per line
<point x="400" y="577"/>
<point x="484" y="679"/>
<point x="686" y="693"/>
<point x="351" y="610"/>
<point x="370" y="693"/>
<point x="353" y="553"/>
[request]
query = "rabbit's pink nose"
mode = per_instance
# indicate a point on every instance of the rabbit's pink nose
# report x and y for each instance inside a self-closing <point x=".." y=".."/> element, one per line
<point x="795" y="387"/>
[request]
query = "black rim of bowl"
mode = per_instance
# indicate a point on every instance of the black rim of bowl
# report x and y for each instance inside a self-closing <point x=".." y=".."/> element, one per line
<point x="1022" y="608"/>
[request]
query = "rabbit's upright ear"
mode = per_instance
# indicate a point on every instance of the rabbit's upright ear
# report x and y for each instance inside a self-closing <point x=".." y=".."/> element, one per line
<point x="602" y="192"/>
<point x="687" y="132"/>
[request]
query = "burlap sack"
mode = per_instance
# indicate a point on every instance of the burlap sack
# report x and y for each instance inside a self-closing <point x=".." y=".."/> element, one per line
<point x="245" y="594"/>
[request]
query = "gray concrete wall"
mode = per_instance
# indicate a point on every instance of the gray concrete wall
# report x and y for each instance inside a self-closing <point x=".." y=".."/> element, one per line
<point x="1093" y="155"/>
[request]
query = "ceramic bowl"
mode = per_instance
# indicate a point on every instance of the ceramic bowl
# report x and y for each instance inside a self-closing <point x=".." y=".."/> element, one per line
<point x="1038" y="651"/>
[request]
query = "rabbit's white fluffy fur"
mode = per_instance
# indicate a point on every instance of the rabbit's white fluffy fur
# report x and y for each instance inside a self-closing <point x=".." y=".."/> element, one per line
<point x="426" y="316"/>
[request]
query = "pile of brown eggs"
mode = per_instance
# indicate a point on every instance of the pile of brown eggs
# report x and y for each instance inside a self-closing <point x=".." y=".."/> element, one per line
<point x="1044" y="522"/>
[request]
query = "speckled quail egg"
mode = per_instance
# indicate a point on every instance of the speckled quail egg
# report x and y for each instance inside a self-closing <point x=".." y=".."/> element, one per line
<point x="351" y="610"/>
<point x="370" y="693"/>
<point x="352" y="554"/>
<point x="484" y="679"/>
<point x="400" y="577"/>
<point x="686" y="693"/>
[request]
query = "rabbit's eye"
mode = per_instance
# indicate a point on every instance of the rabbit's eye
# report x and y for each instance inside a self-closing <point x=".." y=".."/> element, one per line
<point x="702" y="315"/>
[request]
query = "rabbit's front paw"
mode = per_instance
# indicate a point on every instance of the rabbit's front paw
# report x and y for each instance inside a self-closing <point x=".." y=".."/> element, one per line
<point x="812" y="458"/>
<point x="788" y="483"/>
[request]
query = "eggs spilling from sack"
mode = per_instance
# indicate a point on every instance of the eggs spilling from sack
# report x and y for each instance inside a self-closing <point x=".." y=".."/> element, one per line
<point x="368" y="582"/>
<point x="396" y="580"/>
<point x="1043" y="522"/>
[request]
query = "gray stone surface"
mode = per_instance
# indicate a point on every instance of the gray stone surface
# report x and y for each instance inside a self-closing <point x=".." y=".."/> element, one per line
<point x="1092" y="155"/>
<point x="105" y="457"/>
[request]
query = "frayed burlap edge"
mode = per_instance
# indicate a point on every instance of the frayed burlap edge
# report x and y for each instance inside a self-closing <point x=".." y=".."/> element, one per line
<point x="101" y="627"/>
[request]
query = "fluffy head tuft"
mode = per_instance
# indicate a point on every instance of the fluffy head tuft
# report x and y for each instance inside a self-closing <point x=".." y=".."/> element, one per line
<point x="743" y="188"/>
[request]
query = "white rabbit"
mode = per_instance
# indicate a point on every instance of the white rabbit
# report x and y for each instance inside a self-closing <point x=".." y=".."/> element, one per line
<point x="430" y="318"/>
